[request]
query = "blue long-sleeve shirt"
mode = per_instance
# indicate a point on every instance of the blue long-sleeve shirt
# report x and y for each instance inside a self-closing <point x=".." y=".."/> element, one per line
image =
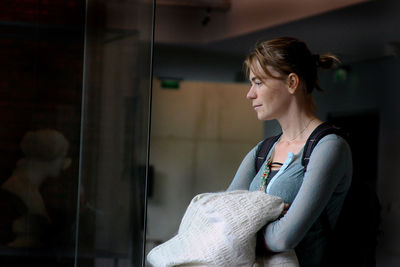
<point x="324" y="185"/>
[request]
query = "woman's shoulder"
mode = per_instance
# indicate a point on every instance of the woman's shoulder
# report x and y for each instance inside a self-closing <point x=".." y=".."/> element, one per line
<point x="333" y="142"/>
<point x="270" y="139"/>
<point x="332" y="138"/>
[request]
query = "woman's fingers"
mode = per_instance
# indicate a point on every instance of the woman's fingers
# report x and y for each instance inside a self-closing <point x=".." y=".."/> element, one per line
<point x="285" y="208"/>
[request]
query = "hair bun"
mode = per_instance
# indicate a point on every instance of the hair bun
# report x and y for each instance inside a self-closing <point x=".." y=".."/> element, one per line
<point x="328" y="61"/>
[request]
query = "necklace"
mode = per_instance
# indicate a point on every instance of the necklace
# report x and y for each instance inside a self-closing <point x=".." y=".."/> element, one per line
<point x="265" y="174"/>
<point x="302" y="131"/>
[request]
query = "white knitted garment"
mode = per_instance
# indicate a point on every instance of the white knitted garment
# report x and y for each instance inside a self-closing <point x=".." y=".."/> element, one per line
<point x="218" y="229"/>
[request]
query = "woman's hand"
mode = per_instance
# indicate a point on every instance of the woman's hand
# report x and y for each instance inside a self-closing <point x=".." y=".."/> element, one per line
<point x="285" y="209"/>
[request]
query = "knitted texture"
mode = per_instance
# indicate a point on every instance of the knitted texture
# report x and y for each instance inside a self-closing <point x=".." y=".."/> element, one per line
<point x="218" y="229"/>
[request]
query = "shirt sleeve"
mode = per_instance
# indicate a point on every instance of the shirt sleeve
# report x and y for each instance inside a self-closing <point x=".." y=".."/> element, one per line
<point x="329" y="164"/>
<point x="246" y="172"/>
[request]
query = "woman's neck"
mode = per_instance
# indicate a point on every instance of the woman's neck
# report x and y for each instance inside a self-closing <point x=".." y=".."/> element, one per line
<point x="297" y="125"/>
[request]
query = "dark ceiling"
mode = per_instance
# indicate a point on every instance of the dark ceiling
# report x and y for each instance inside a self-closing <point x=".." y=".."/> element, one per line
<point x="359" y="32"/>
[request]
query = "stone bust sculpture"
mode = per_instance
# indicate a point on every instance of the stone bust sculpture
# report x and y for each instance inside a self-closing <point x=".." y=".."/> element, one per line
<point x="45" y="156"/>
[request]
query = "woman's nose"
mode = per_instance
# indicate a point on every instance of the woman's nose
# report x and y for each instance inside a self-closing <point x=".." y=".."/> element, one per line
<point x="251" y="94"/>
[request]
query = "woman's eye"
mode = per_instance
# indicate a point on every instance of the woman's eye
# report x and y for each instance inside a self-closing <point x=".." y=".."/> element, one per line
<point x="256" y="82"/>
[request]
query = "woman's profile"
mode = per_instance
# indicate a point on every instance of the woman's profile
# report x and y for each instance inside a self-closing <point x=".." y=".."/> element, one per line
<point x="283" y="74"/>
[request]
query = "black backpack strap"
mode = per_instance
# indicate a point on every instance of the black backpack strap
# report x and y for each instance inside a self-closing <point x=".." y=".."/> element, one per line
<point x="263" y="150"/>
<point x="318" y="133"/>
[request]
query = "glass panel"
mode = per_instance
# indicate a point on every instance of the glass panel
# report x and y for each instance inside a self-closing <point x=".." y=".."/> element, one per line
<point x="115" y="135"/>
<point x="74" y="104"/>
<point x="40" y="115"/>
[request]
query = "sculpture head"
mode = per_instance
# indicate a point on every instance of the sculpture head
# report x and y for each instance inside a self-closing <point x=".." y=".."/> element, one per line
<point x="49" y="148"/>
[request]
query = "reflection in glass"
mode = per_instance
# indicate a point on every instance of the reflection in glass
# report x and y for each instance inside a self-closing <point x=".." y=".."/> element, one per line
<point x="74" y="119"/>
<point x="44" y="157"/>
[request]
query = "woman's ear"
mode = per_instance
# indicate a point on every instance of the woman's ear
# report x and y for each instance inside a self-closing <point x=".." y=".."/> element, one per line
<point x="293" y="82"/>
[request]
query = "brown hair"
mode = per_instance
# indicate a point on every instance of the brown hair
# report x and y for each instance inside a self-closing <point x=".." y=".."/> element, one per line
<point x="289" y="55"/>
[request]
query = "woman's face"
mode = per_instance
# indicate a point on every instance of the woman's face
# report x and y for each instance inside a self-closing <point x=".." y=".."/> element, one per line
<point x="270" y="96"/>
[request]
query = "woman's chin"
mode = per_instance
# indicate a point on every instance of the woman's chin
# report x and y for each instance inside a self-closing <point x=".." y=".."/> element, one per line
<point x="264" y="117"/>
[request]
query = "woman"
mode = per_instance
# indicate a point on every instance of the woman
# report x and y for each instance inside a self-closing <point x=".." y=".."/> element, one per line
<point x="283" y="74"/>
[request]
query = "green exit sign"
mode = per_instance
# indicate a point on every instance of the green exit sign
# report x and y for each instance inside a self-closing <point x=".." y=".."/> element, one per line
<point x="170" y="83"/>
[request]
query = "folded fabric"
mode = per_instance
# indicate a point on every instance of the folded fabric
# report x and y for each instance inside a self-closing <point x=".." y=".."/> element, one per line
<point x="218" y="229"/>
<point x="282" y="259"/>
